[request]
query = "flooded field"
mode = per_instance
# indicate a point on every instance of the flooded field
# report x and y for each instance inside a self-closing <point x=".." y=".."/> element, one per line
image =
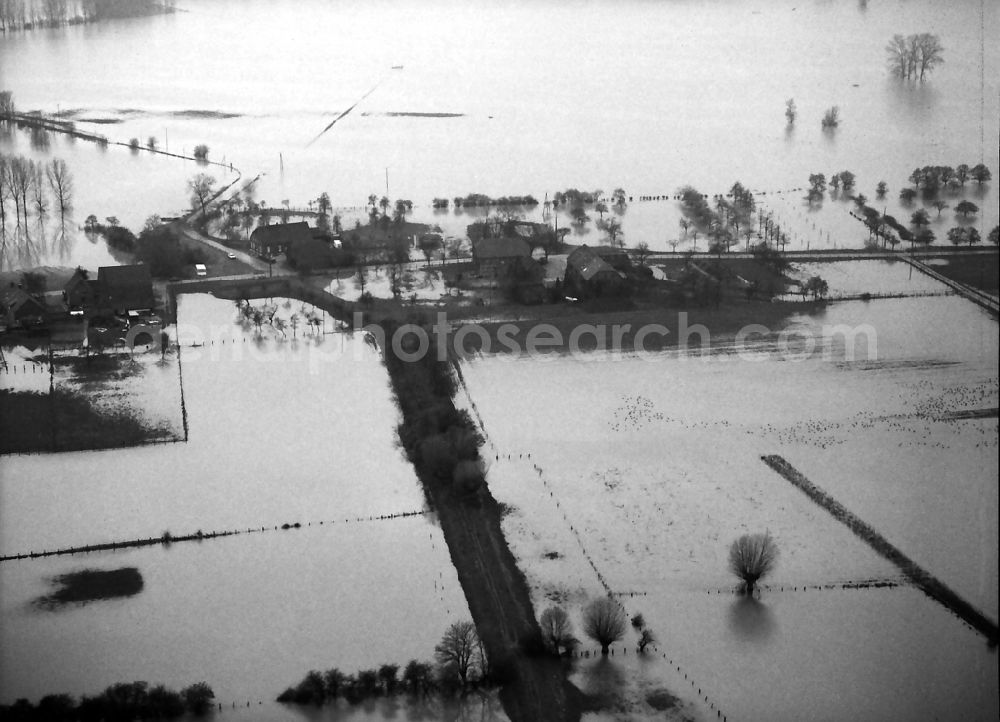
<point x="661" y="116"/>
<point x="630" y="475"/>
<point x="662" y="472"/>
<point x="314" y="412"/>
<point x="252" y="613"/>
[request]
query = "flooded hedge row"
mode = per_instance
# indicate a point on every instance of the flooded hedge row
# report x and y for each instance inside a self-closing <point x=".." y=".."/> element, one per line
<point x="921" y="578"/>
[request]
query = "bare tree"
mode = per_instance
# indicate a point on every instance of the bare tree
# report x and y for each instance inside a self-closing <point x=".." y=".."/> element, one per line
<point x="752" y="557"/>
<point x="38" y="189"/>
<point x="613" y="227"/>
<point x="930" y="52"/>
<point x="557" y="630"/>
<point x="642" y="252"/>
<point x="3" y="191"/>
<point x="646" y="637"/>
<point x="19" y="178"/>
<point x="457" y="650"/>
<point x="898" y="56"/>
<point x="201" y="187"/>
<point x="61" y="182"/>
<point x="604" y="622"/>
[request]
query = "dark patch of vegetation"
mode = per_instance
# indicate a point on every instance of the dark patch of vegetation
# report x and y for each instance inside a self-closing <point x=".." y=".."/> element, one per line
<point x="122" y="701"/>
<point x="91" y="585"/>
<point x="163" y="250"/>
<point x="67" y="421"/>
<point x="479" y="200"/>
<point x="119" y="237"/>
<point x="661" y="700"/>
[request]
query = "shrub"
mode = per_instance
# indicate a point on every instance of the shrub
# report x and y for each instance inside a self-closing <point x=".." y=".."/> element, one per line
<point x="120" y="238"/>
<point x="198" y="698"/>
<point x="469" y="476"/>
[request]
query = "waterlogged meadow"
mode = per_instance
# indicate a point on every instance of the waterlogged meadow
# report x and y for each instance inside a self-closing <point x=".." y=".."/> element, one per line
<point x="633" y="475"/>
<point x="293" y="430"/>
<point x="664" y="115"/>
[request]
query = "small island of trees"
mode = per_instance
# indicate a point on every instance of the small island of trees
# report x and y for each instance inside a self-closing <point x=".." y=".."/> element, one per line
<point x="914" y="56"/>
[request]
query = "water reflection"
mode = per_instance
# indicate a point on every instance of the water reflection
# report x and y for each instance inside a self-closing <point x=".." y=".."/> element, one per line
<point x="911" y="100"/>
<point x="750" y="620"/>
<point x="477" y="707"/>
<point x="603" y="680"/>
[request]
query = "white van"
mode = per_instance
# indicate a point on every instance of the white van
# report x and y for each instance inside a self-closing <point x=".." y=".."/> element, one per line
<point x="200" y="270"/>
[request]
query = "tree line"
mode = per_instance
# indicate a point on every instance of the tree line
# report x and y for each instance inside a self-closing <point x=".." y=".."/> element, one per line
<point x="28" y="184"/>
<point x="460" y="664"/>
<point x="29" y="14"/>
<point x="122" y="701"/>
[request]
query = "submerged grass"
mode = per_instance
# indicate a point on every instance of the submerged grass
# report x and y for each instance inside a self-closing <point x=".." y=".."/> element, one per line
<point x="61" y="420"/>
<point x="91" y="585"/>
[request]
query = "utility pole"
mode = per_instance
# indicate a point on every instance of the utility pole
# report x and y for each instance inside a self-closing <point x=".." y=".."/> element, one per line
<point x="387" y="182"/>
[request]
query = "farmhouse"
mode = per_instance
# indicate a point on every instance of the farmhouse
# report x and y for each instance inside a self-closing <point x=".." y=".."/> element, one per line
<point x="268" y="241"/>
<point x="125" y="288"/>
<point x="80" y="291"/>
<point x="588" y="274"/>
<point x="492" y="256"/>
<point x="18" y="308"/>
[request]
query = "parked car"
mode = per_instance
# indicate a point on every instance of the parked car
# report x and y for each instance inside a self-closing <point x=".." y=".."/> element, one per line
<point x="231" y="256"/>
<point x="200" y="270"/>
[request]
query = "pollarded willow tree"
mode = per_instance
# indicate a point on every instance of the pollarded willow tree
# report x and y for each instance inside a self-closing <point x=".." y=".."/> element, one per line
<point x="604" y="621"/>
<point x="752" y="557"/>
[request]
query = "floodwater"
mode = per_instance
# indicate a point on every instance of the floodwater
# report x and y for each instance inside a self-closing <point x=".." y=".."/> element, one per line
<point x="518" y="98"/>
<point x="663" y="471"/>
<point x="297" y="431"/>
<point x="539" y="97"/>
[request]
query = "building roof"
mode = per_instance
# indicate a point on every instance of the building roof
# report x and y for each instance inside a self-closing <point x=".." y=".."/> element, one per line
<point x="309" y="253"/>
<point x="128" y="287"/>
<point x="489" y="248"/>
<point x="281" y="234"/>
<point x="588" y="263"/>
<point x="15" y="298"/>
